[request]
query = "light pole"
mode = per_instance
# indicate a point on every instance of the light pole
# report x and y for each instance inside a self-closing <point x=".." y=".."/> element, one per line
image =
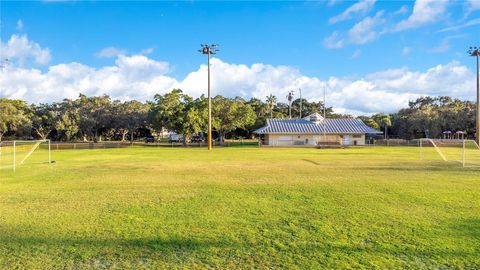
<point x="208" y="50"/>
<point x="475" y="51"/>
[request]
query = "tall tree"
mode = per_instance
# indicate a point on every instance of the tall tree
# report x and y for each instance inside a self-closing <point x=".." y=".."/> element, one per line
<point x="129" y="116"/>
<point x="271" y="102"/>
<point x="229" y="115"/>
<point x="178" y="112"/>
<point x="12" y="115"/>
<point x="44" y="119"/>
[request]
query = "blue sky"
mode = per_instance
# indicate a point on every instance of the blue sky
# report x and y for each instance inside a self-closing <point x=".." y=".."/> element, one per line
<point x="344" y="41"/>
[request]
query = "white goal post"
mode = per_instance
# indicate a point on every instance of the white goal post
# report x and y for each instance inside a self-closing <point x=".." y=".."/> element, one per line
<point x="465" y="152"/>
<point x="16" y="153"/>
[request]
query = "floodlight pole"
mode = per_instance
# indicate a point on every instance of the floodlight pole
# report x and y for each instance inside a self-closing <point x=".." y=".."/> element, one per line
<point x="324" y="116"/>
<point x="475" y="51"/>
<point x="208" y="50"/>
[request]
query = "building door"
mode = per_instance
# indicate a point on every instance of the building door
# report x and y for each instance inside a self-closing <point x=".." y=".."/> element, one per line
<point x="346" y="139"/>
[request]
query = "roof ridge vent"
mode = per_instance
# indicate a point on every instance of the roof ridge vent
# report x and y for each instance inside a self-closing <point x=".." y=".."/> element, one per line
<point x="314" y="118"/>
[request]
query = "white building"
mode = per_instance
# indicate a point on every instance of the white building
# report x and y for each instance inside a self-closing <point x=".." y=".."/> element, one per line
<point x="314" y="130"/>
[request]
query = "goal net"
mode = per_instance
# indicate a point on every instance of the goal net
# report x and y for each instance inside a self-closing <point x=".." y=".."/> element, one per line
<point x="14" y="154"/>
<point x="464" y="152"/>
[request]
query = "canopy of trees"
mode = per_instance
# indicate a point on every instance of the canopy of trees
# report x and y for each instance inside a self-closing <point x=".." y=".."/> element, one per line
<point x="101" y="118"/>
<point x="428" y="117"/>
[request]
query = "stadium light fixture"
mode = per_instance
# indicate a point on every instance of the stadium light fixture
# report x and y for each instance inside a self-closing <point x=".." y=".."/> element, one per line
<point x="475" y="51"/>
<point x="209" y="50"/>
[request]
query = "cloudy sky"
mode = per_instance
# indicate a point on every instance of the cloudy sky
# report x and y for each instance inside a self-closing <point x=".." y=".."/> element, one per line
<point x="370" y="56"/>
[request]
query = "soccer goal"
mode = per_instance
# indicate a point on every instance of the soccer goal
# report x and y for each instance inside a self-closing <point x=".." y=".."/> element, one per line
<point x="16" y="153"/>
<point x="465" y="152"/>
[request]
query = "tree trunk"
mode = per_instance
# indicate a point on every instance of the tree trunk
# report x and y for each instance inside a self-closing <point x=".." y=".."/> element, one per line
<point x="124" y="134"/>
<point x="42" y="136"/>
<point x="131" y="137"/>
<point x="185" y="138"/>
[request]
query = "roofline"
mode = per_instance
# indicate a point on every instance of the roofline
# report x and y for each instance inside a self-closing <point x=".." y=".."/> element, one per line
<point x="319" y="133"/>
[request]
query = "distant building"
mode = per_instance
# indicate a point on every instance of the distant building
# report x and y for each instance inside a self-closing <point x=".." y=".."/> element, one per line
<point x="314" y="130"/>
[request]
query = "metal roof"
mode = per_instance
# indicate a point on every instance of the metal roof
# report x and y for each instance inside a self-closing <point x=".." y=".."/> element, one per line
<point x="332" y="126"/>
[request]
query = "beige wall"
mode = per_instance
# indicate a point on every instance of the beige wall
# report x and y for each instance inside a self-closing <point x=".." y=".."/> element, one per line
<point x="312" y="139"/>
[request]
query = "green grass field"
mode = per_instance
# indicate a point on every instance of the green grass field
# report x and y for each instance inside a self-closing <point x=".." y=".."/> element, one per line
<point x="135" y="208"/>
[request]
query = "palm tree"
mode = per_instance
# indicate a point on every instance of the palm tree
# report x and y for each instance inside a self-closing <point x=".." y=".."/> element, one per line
<point x="386" y="122"/>
<point x="290" y="99"/>
<point x="271" y="101"/>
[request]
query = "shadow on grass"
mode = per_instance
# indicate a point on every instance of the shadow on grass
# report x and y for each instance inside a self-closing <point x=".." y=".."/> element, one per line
<point x="469" y="228"/>
<point x="311" y="161"/>
<point x="173" y="244"/>
<point x="30" y="238"/>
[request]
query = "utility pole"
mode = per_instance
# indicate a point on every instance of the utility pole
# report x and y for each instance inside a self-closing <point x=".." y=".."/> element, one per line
<point x="300" y="89"/>
<point x="209" y="50"/>
<point x="475" y="51"/>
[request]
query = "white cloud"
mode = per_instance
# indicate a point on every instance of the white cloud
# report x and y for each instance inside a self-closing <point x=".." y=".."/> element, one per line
<point x="361" y="7"/>
<point x="402" y="10"/>
<point x="365" y="30"/>
<point x="356" y="53"/>
<point x="333" y="2"/>
<point x="134" y="77"/>
<point x="361" y="33"/>
<point x="334" y="41"/>
<point x="19" y="25"/>
<point x="444" y="45"/>
<point x="461" y="26"/>
<point x="473" y="5"/>
<point x="147" y="51"/>
<point x="406" y="51"/>
<point x="20" y="49"/>
<point x="110" y="52"/>
<point x="138" y="77"/>
<point x="424" y="12"/>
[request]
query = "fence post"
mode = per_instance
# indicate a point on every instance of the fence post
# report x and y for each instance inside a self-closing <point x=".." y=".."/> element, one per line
<point x="49" y="153"/>
<point x="14" y="154"/>
<point x="421" y="149"/>
<point x="463" y="154"/>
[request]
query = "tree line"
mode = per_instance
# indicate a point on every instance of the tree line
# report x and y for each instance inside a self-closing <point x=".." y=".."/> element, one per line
<point x="100" y="118"/>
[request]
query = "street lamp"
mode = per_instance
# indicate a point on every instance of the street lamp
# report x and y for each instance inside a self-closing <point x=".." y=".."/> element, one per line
<point x="475" y="51"/>
<point x="208" y="50"/>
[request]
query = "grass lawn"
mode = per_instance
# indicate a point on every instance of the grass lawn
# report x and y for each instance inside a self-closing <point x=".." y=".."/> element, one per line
<point x="260" y="208"/>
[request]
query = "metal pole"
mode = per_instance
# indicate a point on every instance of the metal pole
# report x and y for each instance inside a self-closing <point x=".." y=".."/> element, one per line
<point x="300" y="89"/>
<point x="478" y="103"/>
<point x="324" y="115"/>
<point x="209" y="107"/>
<point x="463" y="154"/>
